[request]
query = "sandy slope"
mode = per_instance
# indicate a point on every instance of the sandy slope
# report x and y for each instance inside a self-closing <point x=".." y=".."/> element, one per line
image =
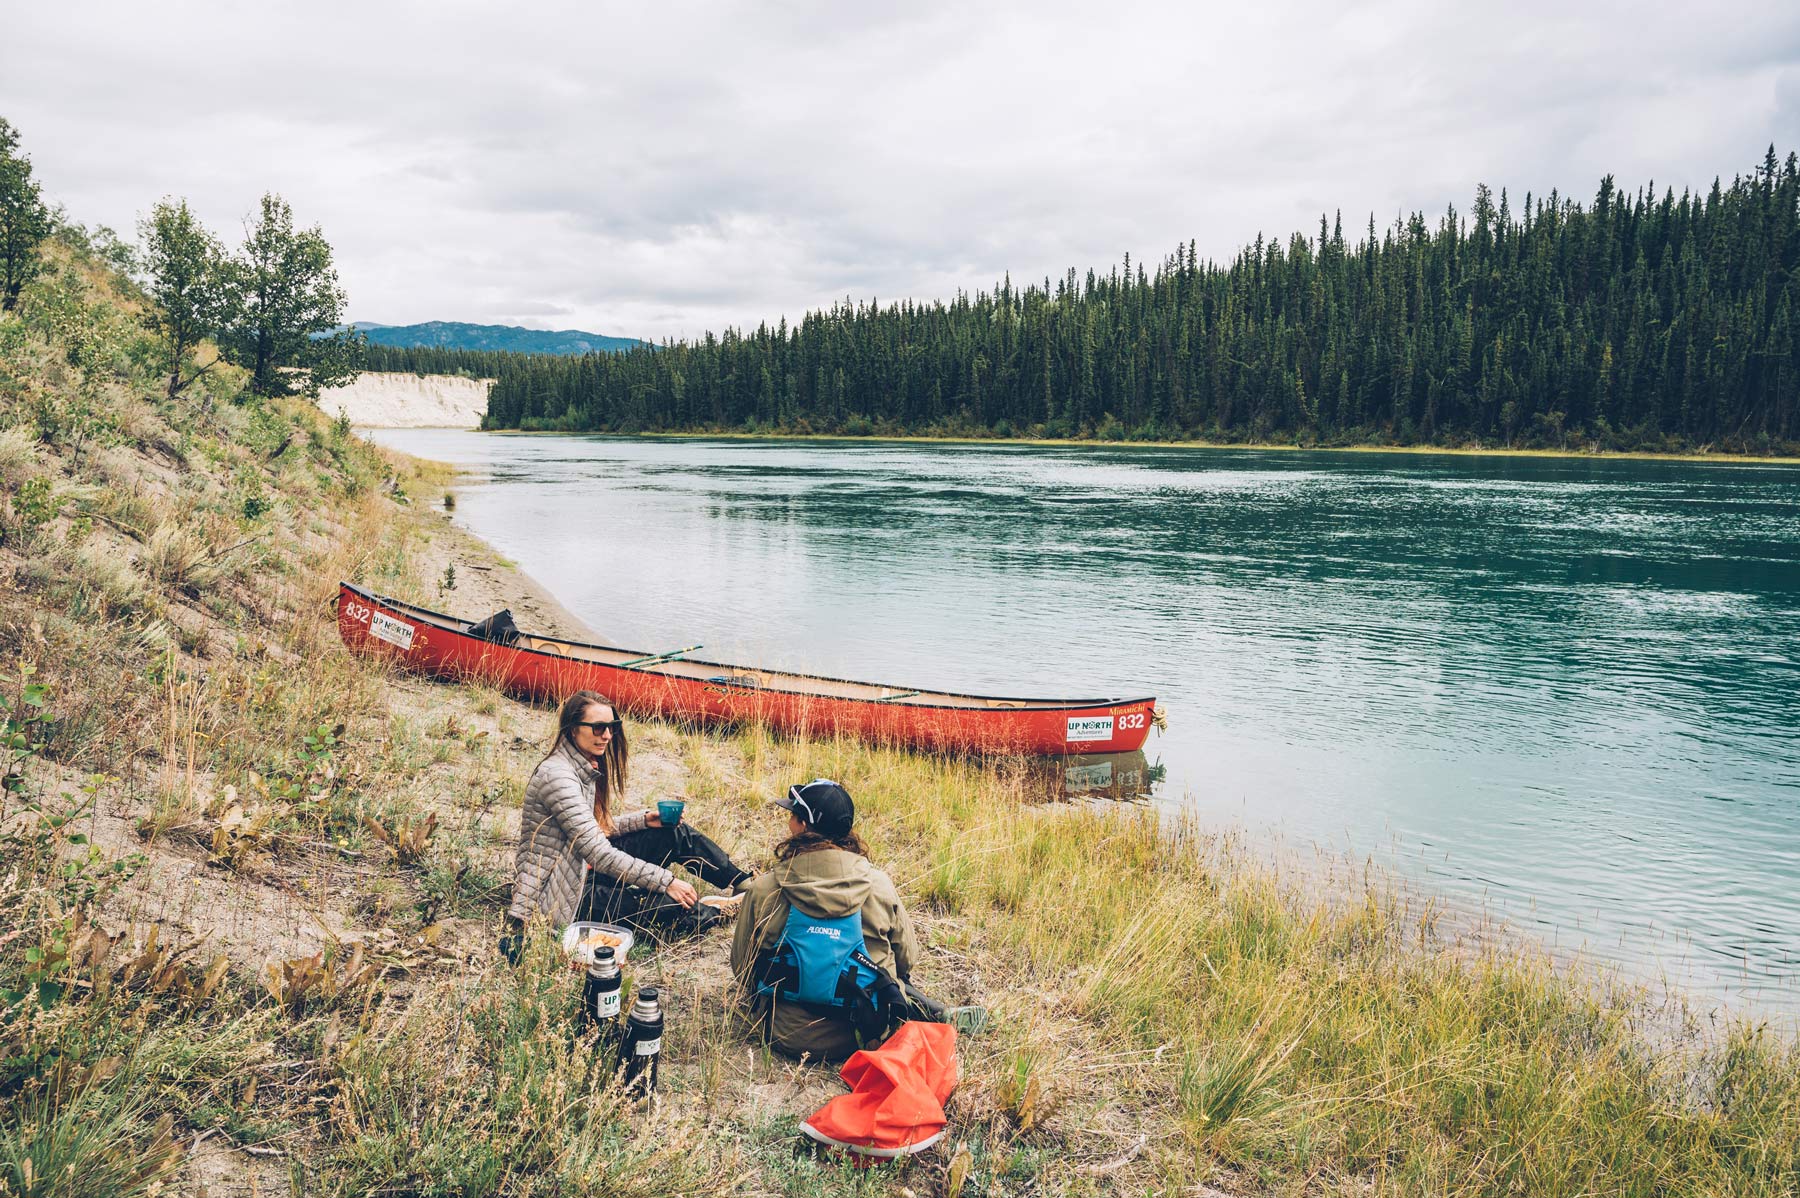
<point x="385" y="400"/>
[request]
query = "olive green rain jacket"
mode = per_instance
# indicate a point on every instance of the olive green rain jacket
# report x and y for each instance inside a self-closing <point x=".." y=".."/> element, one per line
<point x="826" y="884"/>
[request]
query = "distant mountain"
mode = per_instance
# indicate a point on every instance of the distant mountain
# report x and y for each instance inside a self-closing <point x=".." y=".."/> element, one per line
<point x="451" y="334"/>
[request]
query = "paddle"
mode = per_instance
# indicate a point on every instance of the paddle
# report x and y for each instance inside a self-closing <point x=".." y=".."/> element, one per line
<point x="635" y="662"/>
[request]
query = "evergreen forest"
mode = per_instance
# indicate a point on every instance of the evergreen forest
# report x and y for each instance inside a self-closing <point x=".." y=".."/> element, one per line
<point x="1637" y="321"/>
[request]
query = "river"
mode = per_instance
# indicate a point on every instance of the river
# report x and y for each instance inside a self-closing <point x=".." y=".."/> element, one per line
<point x="1565" y="691"/>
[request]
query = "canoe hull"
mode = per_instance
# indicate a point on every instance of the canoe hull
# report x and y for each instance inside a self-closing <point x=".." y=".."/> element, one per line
<point x="376" y="627"/>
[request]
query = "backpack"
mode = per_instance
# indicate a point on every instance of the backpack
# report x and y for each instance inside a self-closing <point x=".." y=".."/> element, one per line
<point x="498" y="628"/>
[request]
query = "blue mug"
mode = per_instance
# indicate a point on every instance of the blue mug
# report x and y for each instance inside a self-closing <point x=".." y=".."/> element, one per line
<point x="669" y="811"/>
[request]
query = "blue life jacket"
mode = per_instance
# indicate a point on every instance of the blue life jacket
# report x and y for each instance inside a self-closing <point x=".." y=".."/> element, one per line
<point x="818" y="963"/>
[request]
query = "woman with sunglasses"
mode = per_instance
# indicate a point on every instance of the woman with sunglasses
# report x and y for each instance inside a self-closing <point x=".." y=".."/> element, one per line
<point x="579" y="859"/>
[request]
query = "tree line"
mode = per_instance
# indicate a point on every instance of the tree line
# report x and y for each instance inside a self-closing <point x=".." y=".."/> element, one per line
<point x="1636" y="321"/>
<point x="270" y="307"/>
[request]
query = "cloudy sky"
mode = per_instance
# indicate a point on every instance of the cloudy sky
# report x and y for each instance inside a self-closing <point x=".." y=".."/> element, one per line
<point x="662" y="169"/>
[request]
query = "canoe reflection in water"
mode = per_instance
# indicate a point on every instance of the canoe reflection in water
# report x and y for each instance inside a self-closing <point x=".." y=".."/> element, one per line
<point x="1124" y="776"/>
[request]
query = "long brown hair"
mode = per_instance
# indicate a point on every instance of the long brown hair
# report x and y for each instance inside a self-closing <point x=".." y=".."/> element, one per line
<point x="615" y="763"/>
<point x="810" y="841"/>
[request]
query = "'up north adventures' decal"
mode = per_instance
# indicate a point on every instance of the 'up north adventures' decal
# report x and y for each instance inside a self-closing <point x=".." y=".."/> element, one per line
<point x="394" y="632"/>
<point x="1089" y="727"/>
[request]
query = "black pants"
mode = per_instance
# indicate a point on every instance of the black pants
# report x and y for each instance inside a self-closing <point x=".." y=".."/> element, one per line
<point x="608" y="900"/>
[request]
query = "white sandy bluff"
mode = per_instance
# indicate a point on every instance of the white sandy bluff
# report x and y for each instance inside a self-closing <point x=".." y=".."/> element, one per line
<point x="380" y="399"/>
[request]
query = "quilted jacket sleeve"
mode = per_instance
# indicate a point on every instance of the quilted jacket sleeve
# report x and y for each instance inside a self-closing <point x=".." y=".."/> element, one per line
<point x="631" y="821"/>
<point x="572" y="808"/>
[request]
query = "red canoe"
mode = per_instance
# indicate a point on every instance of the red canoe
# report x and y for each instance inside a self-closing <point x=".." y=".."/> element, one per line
<point x="538" y="667"/>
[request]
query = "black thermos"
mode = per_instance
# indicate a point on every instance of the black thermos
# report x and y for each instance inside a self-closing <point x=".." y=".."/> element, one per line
<point x="600" y="997"/>
<point x="643" y="1042"/>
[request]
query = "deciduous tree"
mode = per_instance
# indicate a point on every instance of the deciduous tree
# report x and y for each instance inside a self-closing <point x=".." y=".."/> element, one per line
<point x="24" y="220"/>
<point x="191" y="282"/>
<point x="291" y="304"/>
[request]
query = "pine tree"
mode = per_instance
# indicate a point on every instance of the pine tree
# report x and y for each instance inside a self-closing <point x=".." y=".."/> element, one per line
<point x="1635" y="320"/>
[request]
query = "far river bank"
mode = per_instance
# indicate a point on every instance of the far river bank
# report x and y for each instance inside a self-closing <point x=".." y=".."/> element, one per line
<point x="399" y="400"/>
<point x="1080" y="442"/>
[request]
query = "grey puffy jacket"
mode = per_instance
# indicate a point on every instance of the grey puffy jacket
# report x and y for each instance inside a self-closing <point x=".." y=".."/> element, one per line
<point x="558" y="834"/>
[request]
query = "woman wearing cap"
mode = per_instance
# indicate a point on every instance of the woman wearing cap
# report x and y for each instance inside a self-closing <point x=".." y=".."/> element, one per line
<point x="822" y="869"/>
<point x="569" y="830"/>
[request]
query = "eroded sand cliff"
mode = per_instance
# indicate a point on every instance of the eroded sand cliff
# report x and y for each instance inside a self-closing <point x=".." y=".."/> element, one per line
<point x="380" y="399"/>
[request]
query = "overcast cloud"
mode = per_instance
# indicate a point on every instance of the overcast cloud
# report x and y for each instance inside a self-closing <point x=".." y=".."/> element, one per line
<point x="663" y="169"/>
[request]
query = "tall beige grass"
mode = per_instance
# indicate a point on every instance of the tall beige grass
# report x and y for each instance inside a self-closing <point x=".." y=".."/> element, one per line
<point x="1305" y="1033"/>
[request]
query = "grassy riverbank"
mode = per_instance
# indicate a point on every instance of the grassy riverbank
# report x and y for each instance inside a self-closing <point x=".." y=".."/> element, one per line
<point x="251" y="891"/>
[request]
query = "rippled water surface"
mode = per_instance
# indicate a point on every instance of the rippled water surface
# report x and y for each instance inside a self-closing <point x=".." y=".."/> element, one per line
<point x="1568" y="689"/>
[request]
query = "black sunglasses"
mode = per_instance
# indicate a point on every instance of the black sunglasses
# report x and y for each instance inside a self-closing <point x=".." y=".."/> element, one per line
<point x="599" y="726"/>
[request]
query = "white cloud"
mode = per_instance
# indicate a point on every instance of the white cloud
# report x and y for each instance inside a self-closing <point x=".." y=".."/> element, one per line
<point x="661" y="170"/>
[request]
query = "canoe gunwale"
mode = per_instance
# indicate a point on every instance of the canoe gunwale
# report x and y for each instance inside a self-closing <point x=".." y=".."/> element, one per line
<point x="987" y="703"/>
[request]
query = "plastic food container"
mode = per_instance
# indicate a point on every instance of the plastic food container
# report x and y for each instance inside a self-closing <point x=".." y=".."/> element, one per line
<point x="581" y="957"/>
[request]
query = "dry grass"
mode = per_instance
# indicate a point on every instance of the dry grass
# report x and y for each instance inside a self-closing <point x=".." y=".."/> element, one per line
<point x="1295" y="1035"/>
<point x="298" y="861"/>
<point x="177" y="558"/>
<point x="19" y="457"/>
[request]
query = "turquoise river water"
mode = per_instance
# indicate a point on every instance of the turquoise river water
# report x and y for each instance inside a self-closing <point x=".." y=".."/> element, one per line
<point x="1564" y="692"/>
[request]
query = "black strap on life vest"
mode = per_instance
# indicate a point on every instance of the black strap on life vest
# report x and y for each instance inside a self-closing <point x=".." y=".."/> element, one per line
<point x="872" y="1013"/>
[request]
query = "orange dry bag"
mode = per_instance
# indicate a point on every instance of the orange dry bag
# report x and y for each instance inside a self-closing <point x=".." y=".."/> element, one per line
<point x="897" y="1093"/>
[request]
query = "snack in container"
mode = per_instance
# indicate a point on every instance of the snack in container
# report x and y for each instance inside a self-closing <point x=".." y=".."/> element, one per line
<point x="580" y="939"/>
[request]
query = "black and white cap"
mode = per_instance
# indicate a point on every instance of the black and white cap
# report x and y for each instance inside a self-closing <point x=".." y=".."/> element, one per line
<point x="821" y="805"/>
